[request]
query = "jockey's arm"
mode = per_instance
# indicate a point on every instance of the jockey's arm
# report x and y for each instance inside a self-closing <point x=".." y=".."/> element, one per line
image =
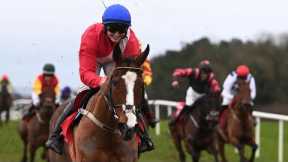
<point x="36" y="90"/>
<point x="227" y="86"/>
<point x="253" y="88"/>
<point x="182" y="73"/>
<point x="185" y="72"/>
<point x="57" y="92"/>
<point x="214" y="86"/>
<point x="88" y="62"/>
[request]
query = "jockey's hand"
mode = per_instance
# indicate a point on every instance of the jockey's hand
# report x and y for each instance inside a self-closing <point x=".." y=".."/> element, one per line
<point x="175" y="83"/>
<point x="103" y="79"/>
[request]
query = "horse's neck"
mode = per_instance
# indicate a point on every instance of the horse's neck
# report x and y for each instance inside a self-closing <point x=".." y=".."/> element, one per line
<point x="99" y="108"/>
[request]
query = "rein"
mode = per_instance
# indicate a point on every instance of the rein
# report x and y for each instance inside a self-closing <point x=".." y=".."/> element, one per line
<point x="39" y="118"/>
<point x="194" y="121"/>
<point x="111" y="106"/>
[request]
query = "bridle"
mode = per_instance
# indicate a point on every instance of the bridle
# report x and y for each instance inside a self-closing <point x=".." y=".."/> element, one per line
<point x="111" y="105"/>
<point x="108" y="97"/>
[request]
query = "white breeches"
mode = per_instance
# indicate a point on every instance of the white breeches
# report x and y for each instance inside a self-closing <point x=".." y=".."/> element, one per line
<point x="191" y="96"/>
<point x="35" y="99"/>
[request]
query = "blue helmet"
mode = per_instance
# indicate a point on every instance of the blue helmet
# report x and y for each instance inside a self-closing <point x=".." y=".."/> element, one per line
<point x="116" y="14"/>
<point x="66" y="91"/>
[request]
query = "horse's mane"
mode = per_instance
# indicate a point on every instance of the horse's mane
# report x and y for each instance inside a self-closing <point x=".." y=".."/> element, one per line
<point x="203" y="102"/>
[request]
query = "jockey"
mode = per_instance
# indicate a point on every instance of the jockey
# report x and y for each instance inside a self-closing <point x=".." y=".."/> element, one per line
<point x="229" y="90"/>
<point x="229" y="85"/>
<point x="66" y="94"/>
<point x="5" y="80"/>
<point x="96" y="51"/>
<point x="201" y="81"/>
<point x="45" y="80"/>
<point x="147" y="77"/>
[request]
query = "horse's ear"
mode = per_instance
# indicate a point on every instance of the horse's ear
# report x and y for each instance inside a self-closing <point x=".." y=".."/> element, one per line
<point x="117" y="54"/>
<point x="140" y="59"/>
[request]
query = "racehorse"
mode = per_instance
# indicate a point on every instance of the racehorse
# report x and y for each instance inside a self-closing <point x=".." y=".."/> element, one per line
<point x="34" y="131"/>
<point x="5" y="101"/>
<point x="197" y="128"/>
<point x="106" y="131"/>
<point x="239" y="123"/>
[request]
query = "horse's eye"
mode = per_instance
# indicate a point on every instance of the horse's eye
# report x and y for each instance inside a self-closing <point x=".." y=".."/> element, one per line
<point x="114" y="82"/>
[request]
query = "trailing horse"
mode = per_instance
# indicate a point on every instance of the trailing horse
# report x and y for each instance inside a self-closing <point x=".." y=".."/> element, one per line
<point x="35" y="130"/>
<point x="5" y="101"/>
<point x="238" y="123"/>
<point x="197" y="128"/>
<point x="106" y="131"/>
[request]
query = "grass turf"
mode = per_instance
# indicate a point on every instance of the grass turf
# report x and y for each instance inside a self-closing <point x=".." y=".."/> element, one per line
<point x="11" y="145"/>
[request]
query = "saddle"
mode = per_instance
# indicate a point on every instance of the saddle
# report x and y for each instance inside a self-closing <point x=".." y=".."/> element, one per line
<point x="73" y="120"/>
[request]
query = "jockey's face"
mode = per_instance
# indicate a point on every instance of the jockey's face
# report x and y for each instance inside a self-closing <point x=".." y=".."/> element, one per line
<point x="203" y="76"/>
<point x="116" y="32"/>
<point x="115" y="37"/>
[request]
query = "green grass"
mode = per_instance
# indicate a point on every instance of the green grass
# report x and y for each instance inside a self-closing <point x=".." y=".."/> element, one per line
<point x="11" y="145"/>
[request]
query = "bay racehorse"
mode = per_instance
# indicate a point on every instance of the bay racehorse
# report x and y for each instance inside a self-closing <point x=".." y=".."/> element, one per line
<point x="197" y="128"/>
<point x="5" y="101"/>
<point x="106" y="131"/>
<point x="35" y="130"/>
<point x="238" y="123"/>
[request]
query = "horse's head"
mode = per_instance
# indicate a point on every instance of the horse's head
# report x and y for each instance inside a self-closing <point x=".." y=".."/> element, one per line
<point x="209" y="107"/>
<point x="125" y="90"/>
<point x="242" y="99"/>
<point x="47" y="104"/>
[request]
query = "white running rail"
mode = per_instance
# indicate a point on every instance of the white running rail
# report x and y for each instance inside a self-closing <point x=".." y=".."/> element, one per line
<point x="258" y="115"/>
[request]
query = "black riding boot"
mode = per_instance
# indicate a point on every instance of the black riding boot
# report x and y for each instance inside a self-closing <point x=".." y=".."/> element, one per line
<point x="146" y="142"/>
<point x="55" y="140"/>
<point x="28" y="114"/>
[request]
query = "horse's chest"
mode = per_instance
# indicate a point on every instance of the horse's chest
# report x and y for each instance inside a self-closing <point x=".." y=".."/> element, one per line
<point x="107" y="151"/>
<point x="204" y="139"/>
<point x="111" y="155"/>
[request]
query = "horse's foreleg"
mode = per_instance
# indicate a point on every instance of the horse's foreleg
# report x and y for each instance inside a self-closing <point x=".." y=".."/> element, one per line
<point x="32" y="150"/>
<point x="254" y="147"/>
<point x="24" y="156"/>
<point x="0" y="118"/>
<point x="221" y="147"/>
<point x="216" y="158"/>
<point x="196" y="155"/>
<point x="240" y="148"/>
<point x="214" y="151"/>
<point x="178" y="145"/>
<point x="7" y="115"/>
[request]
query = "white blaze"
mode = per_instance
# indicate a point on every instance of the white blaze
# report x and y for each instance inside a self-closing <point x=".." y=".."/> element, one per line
<point x="130" y="78"/>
